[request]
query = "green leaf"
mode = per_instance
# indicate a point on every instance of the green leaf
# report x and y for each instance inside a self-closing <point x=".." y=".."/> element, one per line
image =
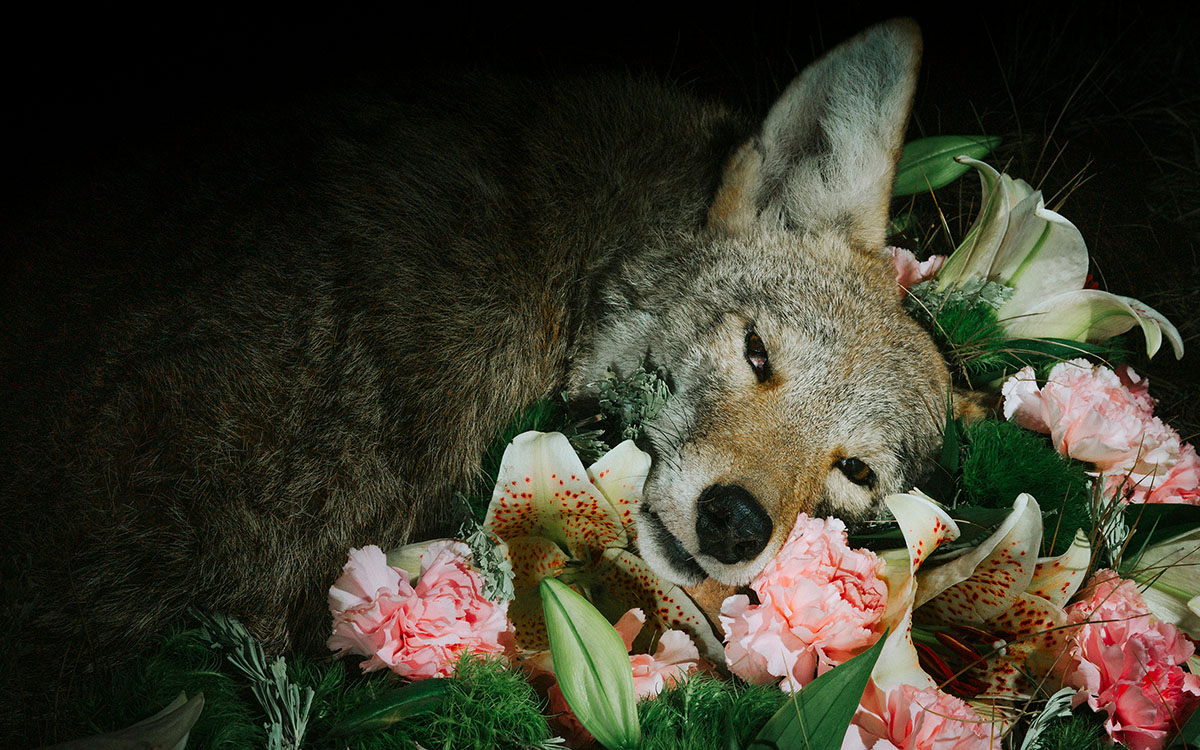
<point x="951" y="443"/>
<point x="1189" y="735"/>
<point x="1156" y="522"/>
<point x="395" y="706"/>
<point x="928" y="163"/>
<point x="591" y="665"/>
<point x="817" y="717"/>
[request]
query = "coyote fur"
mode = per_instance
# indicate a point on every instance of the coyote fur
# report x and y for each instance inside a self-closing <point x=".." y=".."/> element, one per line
<point x="229" y="369"/>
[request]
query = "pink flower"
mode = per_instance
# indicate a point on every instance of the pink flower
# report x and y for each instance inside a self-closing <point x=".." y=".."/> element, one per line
<point x="1104" y="417"/>
<point x="820" y="603"/>
<point x="910" y="271"/>
<point x="1180" y="485"/>
<point x="1127" y="663"/>
<point x="1092" y="416"/>
<point x="911" y="718"/>
<point x="674" y="659"/>
<point x="417" y="631"/>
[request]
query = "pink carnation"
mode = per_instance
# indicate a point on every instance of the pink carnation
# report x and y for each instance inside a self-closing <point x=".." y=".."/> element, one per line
<point x="1093" y="416"/>
<point x="1180" y="485"/>
<point x="911" y="718"/>
<point x="1127" y="663"/>
<point x="820" y="603"/>
<point x="417" y="631"/>
<point x="910" y="271"/>
<point x="1105" y="417"/>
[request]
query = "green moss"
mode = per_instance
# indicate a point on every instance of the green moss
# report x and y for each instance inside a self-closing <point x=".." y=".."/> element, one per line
<point x="1082" y="730"/>
<point x="488" y="706"/>
<point x="1001" y="460"/>
<point x="705" y="713"/>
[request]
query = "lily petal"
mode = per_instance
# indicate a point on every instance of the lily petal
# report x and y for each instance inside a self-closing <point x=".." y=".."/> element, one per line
<point x="925" y="526"/>
<point x="168" y="729"/>
<point x="621" y="474"/>
<point x="1042" y="254"/>
<point x="543" y="490"/>
<point x="1168" y="575"/>
<point x="1088" y="315"/>
<point x="898" y="663"/>
<point x="976" y="255"/>
<point x="984" y="582"/>
<point x="1034" y="640"/>
<point x="628" y="582"/>
<point x="1056" y="579"/>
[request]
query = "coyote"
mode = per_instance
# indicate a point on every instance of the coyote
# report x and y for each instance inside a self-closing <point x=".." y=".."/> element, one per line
<point x="230" y="367"/>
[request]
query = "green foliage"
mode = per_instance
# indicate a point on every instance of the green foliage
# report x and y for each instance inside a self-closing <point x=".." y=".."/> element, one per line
<point x="964" y="323"/>
<point x="185" y="662"/>
<point x="487" y="556"/>
<point x="483" y="705"/>
<point x="705" y="713"/>
<point x="1082" y="730"/>
<point x="633" y="400"/>
<point x="1001" y="460"/>
<point x="285" y="704"/>
<point x="403" y="704"/>
<point x="928" y="163"/>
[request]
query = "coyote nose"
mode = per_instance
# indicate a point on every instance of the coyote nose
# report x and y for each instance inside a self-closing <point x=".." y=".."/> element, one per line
<point x="730" y="524"/>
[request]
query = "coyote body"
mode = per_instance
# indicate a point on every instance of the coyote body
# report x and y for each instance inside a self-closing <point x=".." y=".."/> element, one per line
<point x="263" y="355"/>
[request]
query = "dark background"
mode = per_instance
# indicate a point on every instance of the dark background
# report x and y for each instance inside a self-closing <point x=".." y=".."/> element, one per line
<point x="1097" y="103"/>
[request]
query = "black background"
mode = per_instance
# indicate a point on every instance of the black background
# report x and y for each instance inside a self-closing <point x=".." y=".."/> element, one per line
<point x="1104" y="88"/>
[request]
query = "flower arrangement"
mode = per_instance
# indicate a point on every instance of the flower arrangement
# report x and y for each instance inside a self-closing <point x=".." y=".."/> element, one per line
<point x="979" y="619"/>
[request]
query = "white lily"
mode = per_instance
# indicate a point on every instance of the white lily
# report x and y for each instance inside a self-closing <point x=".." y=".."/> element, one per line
<point x="558" y="519"/>
<point x="925" y="526"/>
<point x="1003" y="590"/>
<point x="1016" y="241"/>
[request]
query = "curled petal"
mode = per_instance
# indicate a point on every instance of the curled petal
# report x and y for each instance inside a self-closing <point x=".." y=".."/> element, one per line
<point x="1056" y="579"/>
<point x="925" y="526"/>
<point x="978" y="251"/>
<point x="1088" y="315"/>
<point x="982" y="583"/>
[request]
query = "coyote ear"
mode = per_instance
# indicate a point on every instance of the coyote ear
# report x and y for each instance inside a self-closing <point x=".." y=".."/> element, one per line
<point x="826" y="154"/>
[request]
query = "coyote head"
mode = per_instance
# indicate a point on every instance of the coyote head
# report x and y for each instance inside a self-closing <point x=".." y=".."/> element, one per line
<point x="800" y="383"/>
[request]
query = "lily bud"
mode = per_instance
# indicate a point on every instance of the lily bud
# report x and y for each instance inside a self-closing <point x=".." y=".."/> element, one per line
<point x="591" y="664"/>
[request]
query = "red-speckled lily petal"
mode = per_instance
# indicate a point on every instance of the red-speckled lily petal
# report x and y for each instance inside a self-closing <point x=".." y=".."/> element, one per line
<point x="533" y="558"/>
<point x="1056" y="579"/>
<point x="925" y="526"/>
<point x="620" y="475"/>
<point x="629" y="582"/>
<point x="898" y="663"/>
<point x="529" y="621"/>
<point x="983" y="583"/>
<point x="543" y="490"/>
<point x="1030" y="638"/>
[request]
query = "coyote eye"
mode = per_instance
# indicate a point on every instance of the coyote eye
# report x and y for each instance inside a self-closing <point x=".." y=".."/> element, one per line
<point x="856" y="471"/>
<point x="756" y="355"/>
